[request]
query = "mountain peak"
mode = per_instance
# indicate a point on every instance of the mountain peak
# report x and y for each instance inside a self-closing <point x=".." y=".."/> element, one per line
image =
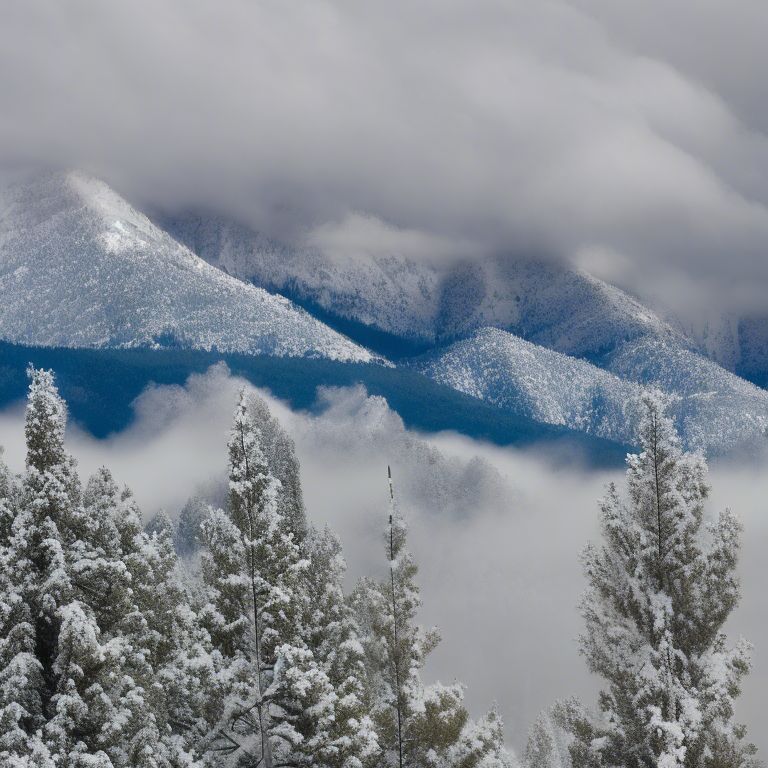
<point x="80" y="266"/>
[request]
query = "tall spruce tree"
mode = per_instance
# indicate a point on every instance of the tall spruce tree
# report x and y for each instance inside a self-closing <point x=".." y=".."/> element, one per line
<point x="418" y="726"/>
<point x="36" y="583"/>
<point x="20" y="671"/>
<point x="660" y="589"/>
<point x="280" y="454"/>
<point x="275" y="700"/>
<point x="169" y="648"/>
<point x="333" y="636"/>
<point x="50" y="498"/>
<point x="52" y="641"/>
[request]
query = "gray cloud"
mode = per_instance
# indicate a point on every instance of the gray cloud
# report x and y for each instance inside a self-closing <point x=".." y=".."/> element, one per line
<point x="497" y="533"/>
<point x="630" y="137"/>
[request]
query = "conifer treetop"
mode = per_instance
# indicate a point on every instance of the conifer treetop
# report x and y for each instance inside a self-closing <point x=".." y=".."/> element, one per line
<point x="46" y="420"/>
<point x="661" y="587"/>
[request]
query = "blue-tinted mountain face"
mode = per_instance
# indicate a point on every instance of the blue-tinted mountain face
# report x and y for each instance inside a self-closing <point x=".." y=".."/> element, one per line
<point x="547" y="348"/>
<point x="534" y="336"/>
<point x="752" y="360"/>
<point x="429" y="303"/>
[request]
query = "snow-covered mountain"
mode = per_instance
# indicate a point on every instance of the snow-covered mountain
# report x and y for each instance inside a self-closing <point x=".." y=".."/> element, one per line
<point x="80" y="267"/>
<point x="738" y="343"/>
<point x="541" y="340"/>
<point x="716" y="411"/>
<point x="398" y="296"/>
<point x="547" y="302"/>
<point x="505" y="370"/>
<point x="537" y="337"/>
<point x="716" y="408"/>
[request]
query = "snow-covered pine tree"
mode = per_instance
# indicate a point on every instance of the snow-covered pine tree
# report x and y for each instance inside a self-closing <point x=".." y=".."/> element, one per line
<point x="418" y="726"/>
<point x="550" y="737"/>
<point x="159" y="523"/>
<point x="395" y="647"/>
<point x="275" y="700"/>
<point x="81" y="706"/>
<point x="52" y="641"/>
<point x="20" y="673"/>
<point x="36" y="583"/>
<point x="166" y="653"/>
<point x="188" y="535"/>
<point x="332" y="635"/>
<point x="123" y="643"/>
<point x="105" y="572"/>
<point x="280" y="454"/>
<point x="480" y="745"/>
<point x="660" y="589"/>
<point x="81" y="683"/>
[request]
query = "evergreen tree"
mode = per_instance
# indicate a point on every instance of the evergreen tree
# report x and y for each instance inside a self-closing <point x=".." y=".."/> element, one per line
<point x="35" y="580"/>
<point x="81" y="704"/>
<point x="50" y="497"/>
<point x="50" y="637"/>
<point x="417" y="725"/>
<point x="550" y="737"/>
<point x="333" y="636"/>
<point x="396" y="648"/>
<point x="255" y="575"/>
<point x="188" y="536"/>
<point x="86" y="643"/>
<point x="159" y="523"/>
<point x="165" y="652"/>
<point x="280" y="454"/>
<point x="20" y="672"/>
<point x="660" y="589"/>
<point x="480" y="745"/>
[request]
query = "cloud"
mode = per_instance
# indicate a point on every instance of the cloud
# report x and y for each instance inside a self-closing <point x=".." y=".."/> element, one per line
<point x="563" y="127"/>
<point x="496" y="532"/>
<point x="357" y="236"/>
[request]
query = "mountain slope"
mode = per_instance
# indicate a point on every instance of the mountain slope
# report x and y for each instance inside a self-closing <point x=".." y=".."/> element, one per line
<point x="79" y="267"/>
<point x="738" y="343"/>
<point x="398" y="296"/>
<point x="715" y="410"/>
<point x="753" y="349"/>
<point x="545" y="301"/>
<point x="503" y="369"/>
<point x="593" y="346"/>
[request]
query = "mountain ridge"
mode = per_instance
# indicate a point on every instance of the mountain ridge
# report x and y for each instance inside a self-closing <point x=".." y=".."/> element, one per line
<point x="544" y="301"/>
<point x="715" y="410"/>
<point x="535" y="338"/>
<point x="99" y="273"/>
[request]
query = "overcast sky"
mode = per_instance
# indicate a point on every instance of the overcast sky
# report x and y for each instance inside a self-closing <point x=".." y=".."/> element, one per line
<point x="628" y="136"/>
